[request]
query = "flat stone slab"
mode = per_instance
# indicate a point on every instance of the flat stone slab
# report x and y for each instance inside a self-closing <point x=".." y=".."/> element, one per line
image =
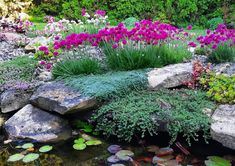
<point x="223" y="125"/>
<point x="170" y="76"/>
<point x="57" y="97"/>
<point x="33" y="123"/>
<point x="13" y="99"/>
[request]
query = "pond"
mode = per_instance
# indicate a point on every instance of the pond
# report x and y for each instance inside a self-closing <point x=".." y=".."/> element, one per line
<point x="63" y="154"/>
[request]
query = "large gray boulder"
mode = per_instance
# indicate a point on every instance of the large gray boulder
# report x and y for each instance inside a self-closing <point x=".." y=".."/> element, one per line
<point x="36" y="124"/>
<point x="55" y="96"/>
<point x="14" y="99"/>
<point x="223" y="125"/>
<point x="170" y="76"/>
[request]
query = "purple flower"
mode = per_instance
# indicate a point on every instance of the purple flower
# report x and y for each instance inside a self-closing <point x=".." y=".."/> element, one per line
<point x="190" y="27"/>
<point x="42" y="62"/>
<point x="115" y="46"/>
<point x="124" y="42"/>
<point x="83" y="11"/>
<point x="57" y="38"/>
<point x="55" y="53"/>
<point x="214" y="46"/>
<point x="43" y="48"/>
<point x="208" y="31"/>
<point x="192" y="44"/>
<point x="100" y="12"/>
<point x="48" y="66"/>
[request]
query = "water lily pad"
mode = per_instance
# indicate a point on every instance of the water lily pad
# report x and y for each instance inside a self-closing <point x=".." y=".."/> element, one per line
<point x="27" y="146"/>
<point x="93" y="142"/>
<point x="113" y="149"/>
<point x="124" y="155"/>
<point x="79" y="140"/>
<point x="113" y="159"/>
<point x="18" y="147"/>
<point x="217" y="161"/>
<point x="164" y="151"/>
<point x="30" y="157"/>
<point x="80" y="146"/>
<point x="45" y="148"/>
<point x="15" y="157"/>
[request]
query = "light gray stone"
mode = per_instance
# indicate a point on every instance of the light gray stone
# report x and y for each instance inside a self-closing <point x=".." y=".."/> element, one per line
<point x="36" y="124"/>
<point x="55" y="96"/>
<point x="170" y="76"/>
<point x="13" y="99"/>
<point x="223" y="125"/>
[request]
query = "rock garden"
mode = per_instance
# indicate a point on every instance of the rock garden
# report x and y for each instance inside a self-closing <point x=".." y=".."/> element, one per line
<point x="139" y="93"/>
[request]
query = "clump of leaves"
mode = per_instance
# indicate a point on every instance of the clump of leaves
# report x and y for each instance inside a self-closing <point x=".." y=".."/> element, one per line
<point x="81" y="143"/>
<point x="223" y="53"/>
<point x="109" y="85"/>
<point x="220" y="87"/>
<point x="140" y="112"/>
<point x="202" y="51"/>
<point x="76" y="67"/>
<point x="85" y="127"/>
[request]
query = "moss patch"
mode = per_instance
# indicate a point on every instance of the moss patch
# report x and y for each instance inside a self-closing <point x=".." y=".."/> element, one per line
<point x="181" y="109"/>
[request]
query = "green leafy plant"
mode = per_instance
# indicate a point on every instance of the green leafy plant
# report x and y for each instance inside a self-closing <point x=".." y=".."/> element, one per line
<point x="109" y="85"/>
<point x="85" y="127"/>
<point x="217" y="161"/>
<point x="220" y="87"/>
<point x="212" y="23"/>
<point x="76" y="67"/>
<point x="132" y="57"/>
<point x="223" y="53"/>
<point x="130" y="22"/>
<point x="139" y="113"/>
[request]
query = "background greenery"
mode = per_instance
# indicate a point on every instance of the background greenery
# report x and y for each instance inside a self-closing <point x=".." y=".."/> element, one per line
<point x="178" y="12"/>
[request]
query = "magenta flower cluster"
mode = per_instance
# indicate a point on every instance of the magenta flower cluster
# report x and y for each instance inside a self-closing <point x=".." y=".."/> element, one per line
<point x="145" y="31"/>
<point x="219" y="36"/>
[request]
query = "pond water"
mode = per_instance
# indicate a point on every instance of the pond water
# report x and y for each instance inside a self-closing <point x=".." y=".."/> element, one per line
<point x="63" y="154"/>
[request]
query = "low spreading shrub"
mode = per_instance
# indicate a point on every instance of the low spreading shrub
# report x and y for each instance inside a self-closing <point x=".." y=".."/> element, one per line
<point x="223" y="53"/>
<point x="130" y="56"/>
<point x="109" y="85"/>
<point x="20" y="68"/>
<point x="130" y="22"/>
<point x="220" y="88"/>
<point x="140" y="112"/>
<point x="76" y="67"/>
<point x="212" y="23"/>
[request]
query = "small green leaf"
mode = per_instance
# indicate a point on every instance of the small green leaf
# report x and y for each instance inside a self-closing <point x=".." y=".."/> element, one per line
<point x="18" y="147"/>
<point x="80" y="146"/>
<point x="45" y="148"/>
<point x="27" y="146"/>
<point x="217" y="161"/>
<point x="93" y="142"/>
<point x="15" y="157"/>
<point x="30" y="157"/>
<point x="79" y="141"/>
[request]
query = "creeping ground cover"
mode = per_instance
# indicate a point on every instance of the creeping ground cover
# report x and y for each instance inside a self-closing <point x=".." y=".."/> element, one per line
<point x="139" y="112"/>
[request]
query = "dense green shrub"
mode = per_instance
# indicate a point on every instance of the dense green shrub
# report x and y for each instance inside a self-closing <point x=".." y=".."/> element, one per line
<point x="131" y="57"/>
<point x="212" y="23"/>
<point x="202" y="51"/>
<point x="140" y="112"/>
<point x="76" y="67"/>
<point x="221" y="88"/>
<point x="224" y="53"/>
<point x="20" y="68"/>
<point x="109" y="85"/>
<point x="170" y="11"/>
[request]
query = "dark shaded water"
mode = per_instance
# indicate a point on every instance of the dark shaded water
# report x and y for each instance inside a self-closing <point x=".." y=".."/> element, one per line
<point x="97" y="155"/>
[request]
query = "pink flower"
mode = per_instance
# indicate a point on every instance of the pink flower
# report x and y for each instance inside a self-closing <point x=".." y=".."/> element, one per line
<point x="208" y="31"/>
<point x="42" y="62"/>
<point x="83" y="11"/>
<point x="57" y="38"/>
<point x="214" y="46"/>
<point x="190" y="27"/>
<point x="192" y="44"/>
<point x="48" y="66"/>
<point x="55" y="53"/>
<point x="124" y="42"/>
<point x="100" y="12"/>
<point x="115" y="46"/>
<point x="43" y="48"/>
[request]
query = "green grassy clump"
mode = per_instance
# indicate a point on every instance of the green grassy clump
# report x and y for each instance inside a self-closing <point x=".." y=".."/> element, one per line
<point x="224" y="53"/>
<point x="221" y="88"/>
<point x="20" y="68"/>
<point x="133" y="114"/>
<point x="131" y="57"/>
<point x="76" y="67"/>
<point x="109" y="85"/>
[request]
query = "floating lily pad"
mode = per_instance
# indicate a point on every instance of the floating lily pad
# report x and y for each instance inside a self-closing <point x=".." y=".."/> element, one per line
<point x="217" y="161"/>
<point x="113" y="149"/>
<point x="124" y="155"/>
<point x="30" y="157"/>
<point x="79" y="140"/>
<point x="18" y="147"/>
<point x="27" y="146"/>
<point x="45" y="148"/>
<point x="81" y="146"/>
<point x="113" y="159"/>
<point x="15" y="157"/>
<point x="93" y="142"/>
<point x="164" y="151"/>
